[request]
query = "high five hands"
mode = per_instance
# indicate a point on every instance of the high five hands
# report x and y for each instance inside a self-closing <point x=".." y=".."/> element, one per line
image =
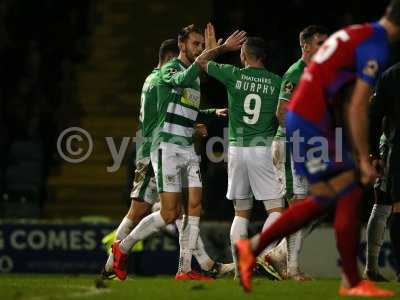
<point x="232" y="43"/>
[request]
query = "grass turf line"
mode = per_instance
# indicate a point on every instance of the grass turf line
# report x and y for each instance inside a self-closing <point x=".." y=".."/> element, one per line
<point x="54" y="287"/>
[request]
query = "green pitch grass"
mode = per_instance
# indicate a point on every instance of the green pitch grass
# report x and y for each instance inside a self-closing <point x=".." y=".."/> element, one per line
<point x="54" y="287"/>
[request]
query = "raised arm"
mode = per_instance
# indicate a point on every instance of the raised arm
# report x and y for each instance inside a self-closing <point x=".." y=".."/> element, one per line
<point x="232" y="43"/>
<point x="171" y="75"/>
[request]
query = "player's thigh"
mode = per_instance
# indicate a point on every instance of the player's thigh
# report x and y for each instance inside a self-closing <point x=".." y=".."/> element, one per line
<point x="278" y="160"/>
<point x="300" y="184"/>
<point x="170" y="206"/>
<point x="238" y="179"/>
<point x="263" y="180"/>
<point x="167" y="163"/>
<point x="191" y="175"/>
<point x="144" y="185"/>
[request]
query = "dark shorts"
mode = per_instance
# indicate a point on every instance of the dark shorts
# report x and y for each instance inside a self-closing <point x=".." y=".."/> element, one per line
<point x="317" y="155"/>
<point x="389" y="186"/>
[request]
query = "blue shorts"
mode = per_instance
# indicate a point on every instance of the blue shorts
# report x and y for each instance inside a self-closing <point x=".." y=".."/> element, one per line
<point x="317" y="154"/>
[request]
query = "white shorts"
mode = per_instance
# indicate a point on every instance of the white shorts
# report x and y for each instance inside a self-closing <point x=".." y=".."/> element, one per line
<point x="285" y="171"/>
<point x="250" y="172"/>
<point x="176" y="167"/>
<point x="144" y="184"/>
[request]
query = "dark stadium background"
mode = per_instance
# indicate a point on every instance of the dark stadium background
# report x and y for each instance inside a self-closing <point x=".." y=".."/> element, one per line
<point x="82" y="63"/>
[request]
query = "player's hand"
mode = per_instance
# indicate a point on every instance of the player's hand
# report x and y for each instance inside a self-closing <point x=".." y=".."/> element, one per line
<point x="368" y="172"/>
<point x="201" y="130"/>
<point x="221" y="112"/>
<point x="235" y="41"/>
<point x="209" y="37"/>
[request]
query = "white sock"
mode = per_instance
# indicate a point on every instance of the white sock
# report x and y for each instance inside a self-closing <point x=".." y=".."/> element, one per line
<point x="239" y="231"/>
<point x="272" y="217"/>
<point x="149" y="225"/>
<point x="375" y="233"/>
<point x="294" y="244"/>
<point x="123" y="230"/>
<point x="183" y="240"/>
<point x="188" y="240"/>
<point x="205" y="262"/>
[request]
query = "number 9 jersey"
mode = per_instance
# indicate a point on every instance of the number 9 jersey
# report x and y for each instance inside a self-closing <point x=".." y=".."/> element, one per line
<point x="253" y="96"/>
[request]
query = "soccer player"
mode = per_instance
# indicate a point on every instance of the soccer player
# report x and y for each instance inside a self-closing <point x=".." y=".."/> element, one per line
<point x="253" y="97"/>
<point x="174" y="160"/>
<point x="341" y="76"/>
<point x="380" y="211"/>
<point x="144" y="192"/>
<point x="295" y="186"/>
<point x="385" y="106"/>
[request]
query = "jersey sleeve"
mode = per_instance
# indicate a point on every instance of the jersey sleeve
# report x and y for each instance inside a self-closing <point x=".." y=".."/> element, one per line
<point x="371" y="59"/>
<point x="287" y="87"/>
<point x="171" y="74"/>
<point x="221" y="72"/>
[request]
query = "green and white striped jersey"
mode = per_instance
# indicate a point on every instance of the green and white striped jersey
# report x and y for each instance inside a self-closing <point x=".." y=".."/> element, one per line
<point x="178" y="94"/>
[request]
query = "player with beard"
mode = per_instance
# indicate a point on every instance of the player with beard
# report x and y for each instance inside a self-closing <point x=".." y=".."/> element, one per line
<point x="175" y="163"/>
<point x="144" y="191"/>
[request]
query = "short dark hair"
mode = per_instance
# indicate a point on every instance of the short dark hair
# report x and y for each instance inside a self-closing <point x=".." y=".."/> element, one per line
<point x="307" y="33"/>
<point x="186" y="31"/>
<point x="256" y="47"/>
<point x="168" y="46"/>
<point x="393" y="12"/>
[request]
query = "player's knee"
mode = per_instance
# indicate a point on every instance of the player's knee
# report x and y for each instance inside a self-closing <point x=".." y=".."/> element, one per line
<point x="170" y="215"/>
<point x="274" y="205"/>
<point x="138" y="210"/>
<point x="136" y="216"/>
<point x="243" y="204"/>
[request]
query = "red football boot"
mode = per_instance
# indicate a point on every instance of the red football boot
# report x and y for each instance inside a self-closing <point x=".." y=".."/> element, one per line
<point x="246" y="262"/>
<point x="120" y="263"/>
<point x="365" y="288"/>
<point x="192" y="275"/>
